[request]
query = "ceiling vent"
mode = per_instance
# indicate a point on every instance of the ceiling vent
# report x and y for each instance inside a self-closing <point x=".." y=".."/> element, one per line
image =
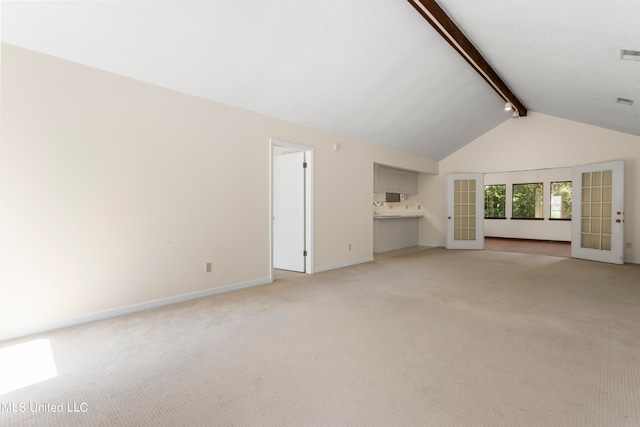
<point x="624" y="101"/>
<point x="630" y="55"/>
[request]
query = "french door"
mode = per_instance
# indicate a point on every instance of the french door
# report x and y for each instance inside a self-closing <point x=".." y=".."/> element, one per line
<point x="597" y="225"/>
<point x="465" y="211"/>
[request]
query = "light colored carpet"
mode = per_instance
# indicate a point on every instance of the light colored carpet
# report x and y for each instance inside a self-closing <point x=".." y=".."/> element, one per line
<point x="432" y="338"/>
<point x="398" y="252"/>
<point x="528" y="246"/>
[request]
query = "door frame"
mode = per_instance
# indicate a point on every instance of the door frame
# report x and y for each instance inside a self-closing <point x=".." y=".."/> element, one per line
<point x="308" y="202"/>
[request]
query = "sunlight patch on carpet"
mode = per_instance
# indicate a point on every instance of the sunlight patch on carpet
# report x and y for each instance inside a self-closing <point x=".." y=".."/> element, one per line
<point x="25" y="364"/>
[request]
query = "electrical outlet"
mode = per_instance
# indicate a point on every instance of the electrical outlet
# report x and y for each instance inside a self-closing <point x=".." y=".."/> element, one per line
<point x="207" y="267"/>
<point x="406" y="206"/>
<point x="349" y="246"/>
<point x="419" y="206"/>
<point x="629" y="245"/>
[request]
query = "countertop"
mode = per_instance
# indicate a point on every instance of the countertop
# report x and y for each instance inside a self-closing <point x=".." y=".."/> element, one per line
<point x="398" y="214"/>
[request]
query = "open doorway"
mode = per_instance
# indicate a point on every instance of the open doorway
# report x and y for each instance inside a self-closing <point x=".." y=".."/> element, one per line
<point x="541" y="210"/>
<point x="529" y="211"/>
<point x="291" y="211"/>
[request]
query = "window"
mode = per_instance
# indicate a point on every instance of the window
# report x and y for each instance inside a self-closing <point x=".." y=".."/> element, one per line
<point x="527" y="201"/>
<point x="494" y="201"/>
<point x="560" y="200"/>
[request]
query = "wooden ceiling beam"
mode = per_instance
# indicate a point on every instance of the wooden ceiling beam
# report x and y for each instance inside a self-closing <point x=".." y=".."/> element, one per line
<point x="440" y="21"/>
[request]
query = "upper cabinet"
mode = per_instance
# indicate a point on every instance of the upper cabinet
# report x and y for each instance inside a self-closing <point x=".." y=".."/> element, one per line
<point x="391" y="180"/>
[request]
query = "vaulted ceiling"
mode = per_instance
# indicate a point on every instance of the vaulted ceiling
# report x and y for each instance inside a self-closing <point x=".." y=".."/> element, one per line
<point x="369" y="69"/>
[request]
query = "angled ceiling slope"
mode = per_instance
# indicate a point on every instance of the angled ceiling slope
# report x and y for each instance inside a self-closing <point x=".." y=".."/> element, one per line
<point x="562" y="57"/>
<point x="453" y="35"/>
<point x="369" y="69"/>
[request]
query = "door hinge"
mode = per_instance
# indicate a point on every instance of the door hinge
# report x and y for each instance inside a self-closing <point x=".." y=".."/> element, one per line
<point x="304" y="165"/>
<point x="304" y="253"/>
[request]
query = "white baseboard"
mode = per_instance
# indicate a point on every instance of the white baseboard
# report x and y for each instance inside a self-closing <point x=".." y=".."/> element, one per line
<point x="130" y="309"/>
<point x="342" y="265"/>
<point x="632" y="261"/>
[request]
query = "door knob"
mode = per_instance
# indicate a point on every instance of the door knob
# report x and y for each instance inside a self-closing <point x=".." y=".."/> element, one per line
<point x="618" y="220"/>
<point x="449" y="217"/>
<point x="619" y="213"/>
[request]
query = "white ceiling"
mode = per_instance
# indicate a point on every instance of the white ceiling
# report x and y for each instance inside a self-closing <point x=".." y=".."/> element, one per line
<point x="369" y="69"/>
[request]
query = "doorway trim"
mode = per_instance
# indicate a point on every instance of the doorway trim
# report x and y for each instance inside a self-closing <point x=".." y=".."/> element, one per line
<point x="308" y="154"/>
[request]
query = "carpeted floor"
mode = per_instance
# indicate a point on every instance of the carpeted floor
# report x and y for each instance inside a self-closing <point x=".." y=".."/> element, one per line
<point x="431" y="338"/>
<point x="528" y="246"/>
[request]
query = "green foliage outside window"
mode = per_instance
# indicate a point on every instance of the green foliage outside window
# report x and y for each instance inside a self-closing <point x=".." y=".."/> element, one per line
<point x="527" y="200"/>
<point x="561" y="195"/>
<point x="494" y="201"/>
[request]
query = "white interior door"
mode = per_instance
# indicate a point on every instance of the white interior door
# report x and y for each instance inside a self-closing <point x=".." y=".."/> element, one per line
<point x="289" y="212"/>
<point x="597" y="224"/>
<point x="465" y="211"/>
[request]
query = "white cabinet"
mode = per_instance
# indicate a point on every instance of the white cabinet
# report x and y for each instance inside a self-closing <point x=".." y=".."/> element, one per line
<point x="390" y="180"/>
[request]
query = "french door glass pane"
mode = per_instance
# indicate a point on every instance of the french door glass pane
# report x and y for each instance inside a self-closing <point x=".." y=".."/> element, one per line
<point x="464" y="209"/>
<point x="596" y="210"/>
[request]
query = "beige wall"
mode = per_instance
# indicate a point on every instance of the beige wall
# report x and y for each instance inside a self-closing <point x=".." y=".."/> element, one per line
<point x="402" y="160"/>
<point x="116" y="193"/>
<point x="539" y="141"/>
